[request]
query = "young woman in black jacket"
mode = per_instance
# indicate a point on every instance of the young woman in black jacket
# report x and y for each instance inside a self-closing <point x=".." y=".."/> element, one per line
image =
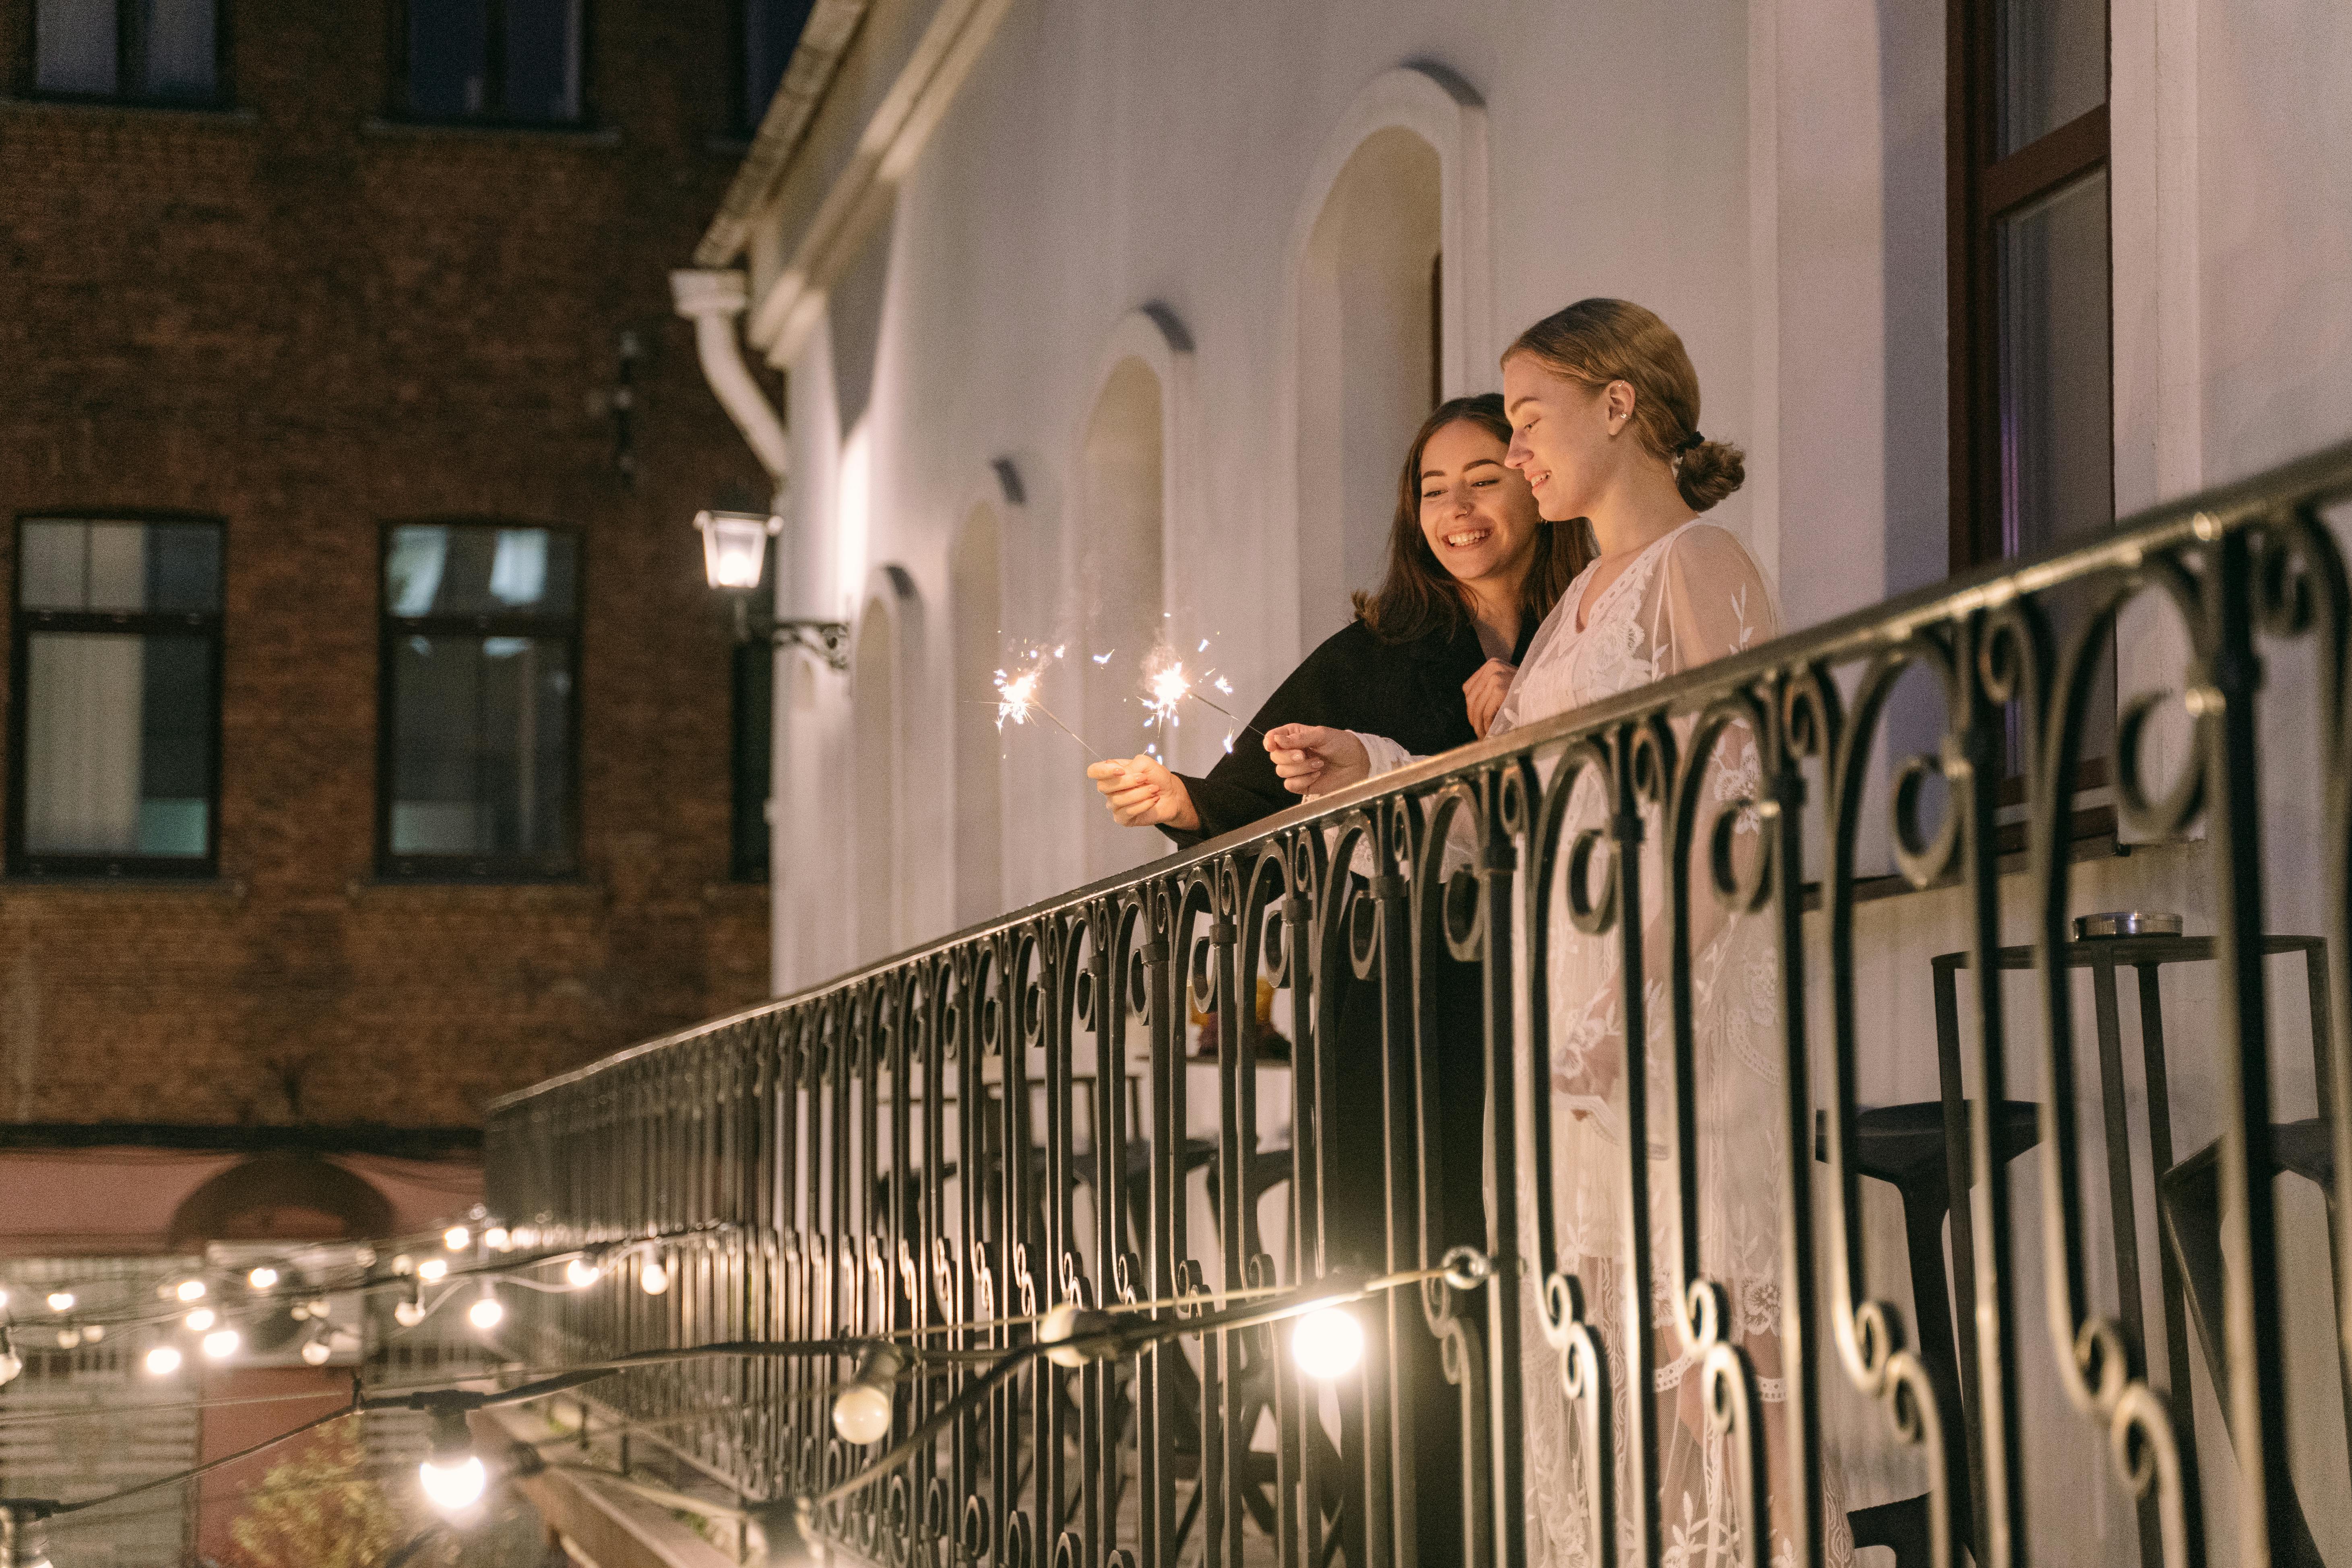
<point x="1473" y="570"/>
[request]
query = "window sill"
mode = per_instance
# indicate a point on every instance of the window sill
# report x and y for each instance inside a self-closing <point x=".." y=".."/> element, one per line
<point x="234" y="888"/>
<point x="136" y="108"/>
<point x="1874" y="889"/>
<point x="493" y="130"/>
<point x="531" y="892"/>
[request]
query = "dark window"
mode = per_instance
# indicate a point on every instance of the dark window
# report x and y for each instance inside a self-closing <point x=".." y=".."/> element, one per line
<point x="766" y="34"/>
<point x="115" y="736"/>
<point x="513" y="62"/>
<point x="135" y="51"/>
<point x="2033" y="406"/>
<point x="480" y="727"/>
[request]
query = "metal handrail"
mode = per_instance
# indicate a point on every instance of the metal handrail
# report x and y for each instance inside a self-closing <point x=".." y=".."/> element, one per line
<point x="1393" y="909"/>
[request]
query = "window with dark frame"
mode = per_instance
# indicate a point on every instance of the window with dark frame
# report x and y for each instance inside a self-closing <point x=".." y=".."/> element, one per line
<point x="750" y="753"/>
<point x="766" y="32"/>
<point x="479" y="749"/>
<point x="160" y="52"/>
<point x="114" y="731"/>
<point x="496" y="62"/>
<point x="2033" y="440"/>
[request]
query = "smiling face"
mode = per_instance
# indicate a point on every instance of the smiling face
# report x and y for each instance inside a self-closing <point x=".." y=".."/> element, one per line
<point x="1563" y="436"/>
<point x="1476" y="514"/>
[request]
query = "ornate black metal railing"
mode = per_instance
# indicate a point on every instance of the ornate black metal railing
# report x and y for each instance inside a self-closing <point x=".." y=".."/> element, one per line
<point x="946" y="1145"/>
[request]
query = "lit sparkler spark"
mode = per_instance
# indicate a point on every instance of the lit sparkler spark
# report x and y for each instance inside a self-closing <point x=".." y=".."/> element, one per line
<point x="1203" y="647"/>
<point x="1103" y="658"/>
<point x="1016" y="699"/>
<point x="1166" y="684"/>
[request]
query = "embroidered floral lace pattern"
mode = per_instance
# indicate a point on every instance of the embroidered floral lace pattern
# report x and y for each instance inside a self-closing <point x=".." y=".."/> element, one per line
<point x="1691" y="597"/>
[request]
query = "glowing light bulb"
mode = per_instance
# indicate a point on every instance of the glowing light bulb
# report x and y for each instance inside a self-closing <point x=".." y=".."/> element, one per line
<point x="316" y="1352"/>
<point x="364" y="1256"/>
<point x="862" y="1414"/>
<point x="457" y="1239"/>
<point x="61" y="1300"/>
<point x="497" y="1238"/>
<point x="654" y="1276"/>
<point x="191" y="1290"/>
<point x="200" y="1320"/>
<point x="453" y="1486"/>
<point x="263" y="1278"/>
<point x="580" y="1274"/>
<point x="11" y="1363"/>
<point x="487" y="1312"/>
<point x="408" y="1314"/>
<point x="432" y="1269"/>
<point x="162" y="1360"/>
<point x="404" y="1264"/>
<point x="221" y="1343"/>
<point x="1063" y="1323"/>
<point x="299" y="1310"/>
<point x="1327" y="1342"/>
<point x="67" y="1338"/>
<point x="94" y="1332"/>
<point x="4" y="1298"/>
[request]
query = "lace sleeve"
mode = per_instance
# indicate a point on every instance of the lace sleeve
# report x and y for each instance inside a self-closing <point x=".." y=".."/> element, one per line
<point x="1711" y="602"/>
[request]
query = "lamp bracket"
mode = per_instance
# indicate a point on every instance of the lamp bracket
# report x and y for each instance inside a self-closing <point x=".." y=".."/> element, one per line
<point x="829" y="640"/>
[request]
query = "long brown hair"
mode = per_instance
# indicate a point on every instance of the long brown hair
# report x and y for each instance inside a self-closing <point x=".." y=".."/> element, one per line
<point x="1418" y="595"/>
<point x="1595" y="341"/>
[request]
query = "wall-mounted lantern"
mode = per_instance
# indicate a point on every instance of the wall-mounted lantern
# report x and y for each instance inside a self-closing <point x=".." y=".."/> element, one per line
<point x="734" y="558"/>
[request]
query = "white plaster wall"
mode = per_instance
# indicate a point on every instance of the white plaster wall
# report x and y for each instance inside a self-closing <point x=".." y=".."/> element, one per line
<point x="1770" y="179"/>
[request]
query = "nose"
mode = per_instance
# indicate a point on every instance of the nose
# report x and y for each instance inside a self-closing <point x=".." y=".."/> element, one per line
<point x="1515" y="455"/>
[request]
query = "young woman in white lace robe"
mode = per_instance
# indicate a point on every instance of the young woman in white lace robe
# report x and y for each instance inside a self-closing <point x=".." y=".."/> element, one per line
<point x="1604" y="404"/>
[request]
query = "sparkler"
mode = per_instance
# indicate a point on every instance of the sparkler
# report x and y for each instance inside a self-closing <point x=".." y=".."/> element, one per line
<point x="1166" y="684"/>
<point x="1016" y="700"/>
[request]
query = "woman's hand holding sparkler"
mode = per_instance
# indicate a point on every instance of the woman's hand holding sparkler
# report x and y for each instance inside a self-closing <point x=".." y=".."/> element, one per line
<point x="1313" y="758"/>
<point x="1142" y="793"/>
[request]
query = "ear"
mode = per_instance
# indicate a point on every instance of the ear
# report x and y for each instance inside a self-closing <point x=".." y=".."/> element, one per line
<point x="1618" y="399"/>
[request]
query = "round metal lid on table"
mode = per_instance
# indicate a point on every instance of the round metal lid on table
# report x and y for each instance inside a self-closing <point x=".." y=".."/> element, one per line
<point x="2125" y="923"/>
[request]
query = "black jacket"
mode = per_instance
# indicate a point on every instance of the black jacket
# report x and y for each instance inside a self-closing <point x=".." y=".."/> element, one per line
<point x="1411" y="693"/>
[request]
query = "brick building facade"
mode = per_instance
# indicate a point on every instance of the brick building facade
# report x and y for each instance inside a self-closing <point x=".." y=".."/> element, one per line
<point x="308" y="317"/>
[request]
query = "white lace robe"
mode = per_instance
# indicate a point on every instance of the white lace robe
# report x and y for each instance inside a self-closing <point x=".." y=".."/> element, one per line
<point x="1690" y="597"/>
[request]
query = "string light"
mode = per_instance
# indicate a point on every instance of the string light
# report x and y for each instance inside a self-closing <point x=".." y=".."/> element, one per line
<point x="432" y="1269"/>
<point x="4" y="1298"/>
<point x="200" y="1320"/>
<point x="263" y="1278"/>
<point x="1061" y="1325"/>
<point x="453" y="1474"/>
<point x="457" y="1239"/>
<point x="315" y="1351"/>
<point x="162" y="1360"/>
<point x="408" y="1312"/>
<point x="580" y="1273"/>
<point x="61" y="1300"/>
<point x="653" y="1278"/>
<point x="1327" y="1342"/>
<point x="93" y="1333"/>
<point x="68" y="1337"/>
<point x="862" y="1411"/>
<point x="497" y="1238"/>
<point x="489" y="1312"/>
<point x="221" y="1343"/>
<point x="191" y="1290"/>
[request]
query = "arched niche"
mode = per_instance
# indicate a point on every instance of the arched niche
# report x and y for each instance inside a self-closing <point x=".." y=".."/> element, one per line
<point x="976" y="614"/>
<point x="281" y="1196"/>
<point x="882" y="651"/>
<point x="1389" y="291"/>
<point x="1128" y="472"/>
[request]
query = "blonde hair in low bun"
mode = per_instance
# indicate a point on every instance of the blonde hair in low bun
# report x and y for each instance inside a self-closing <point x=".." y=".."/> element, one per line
<point x="1595" y="341"/>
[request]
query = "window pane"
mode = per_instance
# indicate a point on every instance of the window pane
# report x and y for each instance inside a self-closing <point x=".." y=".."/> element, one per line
<point x="449" y="58"/>
<point x="542" y="60"/>
<point x="130" y="567"/>
<point x="2057" y="430"/>
<point x="771" y="30"/>
<point x="2051" y="67"/>
<point x="181" y="57"/>
<point x="74" y="45"/>
<point x="450" y="570"/>
<point x="481" y="746"/>
<point x="118" y="744"/>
